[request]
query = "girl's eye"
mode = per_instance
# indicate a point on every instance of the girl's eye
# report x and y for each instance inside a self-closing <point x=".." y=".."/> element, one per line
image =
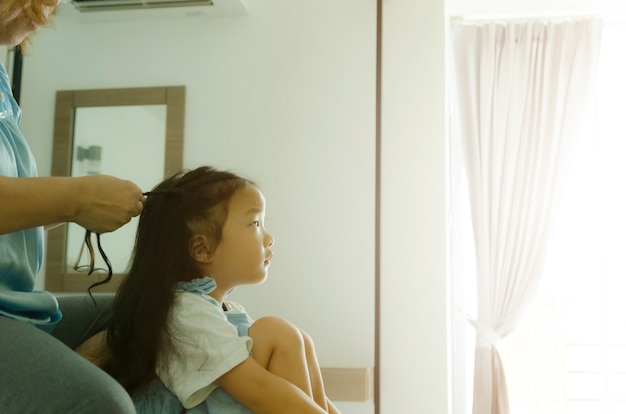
<point x="256" y="223"/>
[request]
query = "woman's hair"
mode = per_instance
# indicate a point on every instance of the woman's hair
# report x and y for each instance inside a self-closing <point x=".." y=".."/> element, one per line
<point x="34" y="11"/>
<point x="195" y="202"/>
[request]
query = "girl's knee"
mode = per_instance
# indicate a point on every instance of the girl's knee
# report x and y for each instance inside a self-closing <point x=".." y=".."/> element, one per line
<point x="278" y="331"/>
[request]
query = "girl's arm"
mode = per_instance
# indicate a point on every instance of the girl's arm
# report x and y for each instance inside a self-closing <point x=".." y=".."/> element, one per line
<point x="98" y="202"/>
<point x="263" y="392"/>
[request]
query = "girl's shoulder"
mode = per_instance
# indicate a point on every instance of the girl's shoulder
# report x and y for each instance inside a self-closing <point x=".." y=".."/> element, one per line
<point x="188" y="299"/>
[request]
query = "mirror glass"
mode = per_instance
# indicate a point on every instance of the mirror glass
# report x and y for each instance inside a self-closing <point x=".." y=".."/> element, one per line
<point x="110" y="131"/>
<point x="114" y="140"/>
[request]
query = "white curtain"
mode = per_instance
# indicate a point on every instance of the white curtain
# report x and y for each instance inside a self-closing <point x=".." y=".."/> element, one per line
<point x="522" y="88"/>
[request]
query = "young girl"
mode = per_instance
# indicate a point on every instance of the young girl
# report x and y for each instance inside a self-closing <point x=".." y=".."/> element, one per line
<point x="200" y="235"/>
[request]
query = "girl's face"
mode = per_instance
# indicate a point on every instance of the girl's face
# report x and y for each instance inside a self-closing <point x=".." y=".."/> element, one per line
<point x="15" y="25"/>
<point x="243" y="255"/>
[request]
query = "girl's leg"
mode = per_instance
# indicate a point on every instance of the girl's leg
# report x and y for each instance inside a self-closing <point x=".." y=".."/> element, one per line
<point x="315" y="373"/>
<point x="95" y="349"/>
<point x="84" y="323"/>
<point x="331" y="408"/>
<point x="40" y="374"/>
<point x="285" y="351"/>
<point x="279" y="347"/>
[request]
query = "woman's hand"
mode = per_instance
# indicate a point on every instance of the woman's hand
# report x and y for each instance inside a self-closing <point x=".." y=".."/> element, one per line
<point x="99" y="203"/>
<point x="107" y="203"/>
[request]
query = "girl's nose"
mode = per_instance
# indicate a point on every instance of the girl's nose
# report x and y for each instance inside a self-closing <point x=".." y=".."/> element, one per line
<point x="269" y="240"/>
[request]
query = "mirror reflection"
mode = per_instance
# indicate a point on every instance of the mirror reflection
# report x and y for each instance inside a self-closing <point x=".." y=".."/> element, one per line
<point x="113" y="132"/>
<point x="114" y="140"/>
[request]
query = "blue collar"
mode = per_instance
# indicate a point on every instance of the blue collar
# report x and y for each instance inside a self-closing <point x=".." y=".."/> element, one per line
<point x="201" y="286"/>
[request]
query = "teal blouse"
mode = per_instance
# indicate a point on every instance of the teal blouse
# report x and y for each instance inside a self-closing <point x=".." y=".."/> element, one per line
<point x="21" y="252"/>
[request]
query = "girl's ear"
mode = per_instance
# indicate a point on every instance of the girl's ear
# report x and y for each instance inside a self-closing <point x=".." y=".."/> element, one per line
<point x="200" y="248"/>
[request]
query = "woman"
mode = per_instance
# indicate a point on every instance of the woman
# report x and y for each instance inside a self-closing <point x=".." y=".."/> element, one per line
<point x="40" y="372"/>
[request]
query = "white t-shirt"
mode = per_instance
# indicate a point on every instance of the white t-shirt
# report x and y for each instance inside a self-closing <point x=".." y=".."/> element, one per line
<point x="205" y="346"/>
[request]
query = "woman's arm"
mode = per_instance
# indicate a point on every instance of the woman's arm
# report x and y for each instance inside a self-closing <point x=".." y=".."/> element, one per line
<point x="263" y="392"/>
<point x="97" y="202"/>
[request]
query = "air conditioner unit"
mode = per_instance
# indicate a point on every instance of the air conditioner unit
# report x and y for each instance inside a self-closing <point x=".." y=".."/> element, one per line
<point x="110" y="5"/>
<point x="106" y="11"/>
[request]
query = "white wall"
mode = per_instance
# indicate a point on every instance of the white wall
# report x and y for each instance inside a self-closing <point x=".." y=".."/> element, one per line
<point x="414" y="281"/>
<point x="284" y="95"/>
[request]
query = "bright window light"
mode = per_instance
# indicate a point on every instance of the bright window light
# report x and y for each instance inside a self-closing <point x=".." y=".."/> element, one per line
<point x="568" y="356"/>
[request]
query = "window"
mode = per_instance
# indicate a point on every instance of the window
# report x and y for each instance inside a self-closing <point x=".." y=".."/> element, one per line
<point x="569" y="354"/>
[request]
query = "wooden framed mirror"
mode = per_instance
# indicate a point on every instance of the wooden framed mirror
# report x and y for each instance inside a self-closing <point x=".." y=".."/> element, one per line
<point x="85" y="144"/>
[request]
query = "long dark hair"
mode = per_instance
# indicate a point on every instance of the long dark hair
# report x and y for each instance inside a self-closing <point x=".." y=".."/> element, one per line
<point x="181" y="206"/>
